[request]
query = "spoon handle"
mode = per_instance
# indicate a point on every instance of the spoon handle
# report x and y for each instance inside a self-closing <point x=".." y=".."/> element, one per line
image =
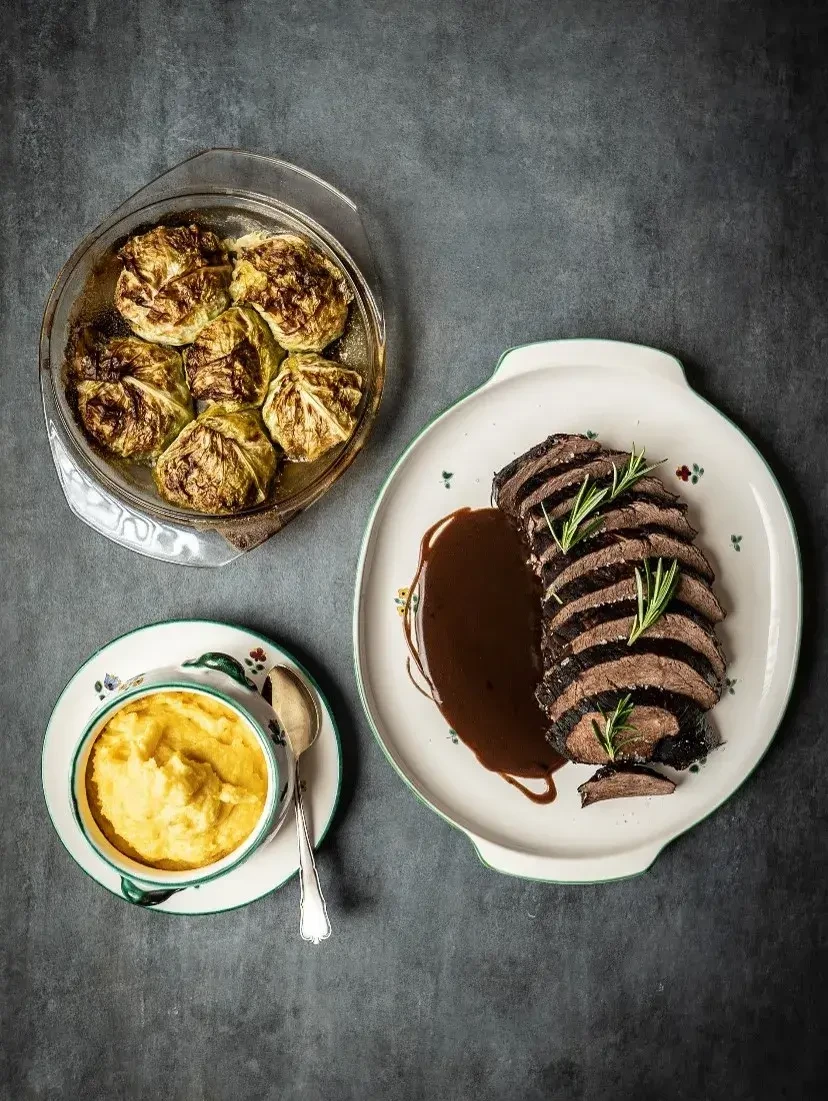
<point x="313" y="914"/>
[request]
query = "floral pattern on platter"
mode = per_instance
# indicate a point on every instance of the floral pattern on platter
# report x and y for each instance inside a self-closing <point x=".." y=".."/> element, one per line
<point x="452" y="734"/>
<point x="590" y="435"/>
<point x="730" y="685"/>
<point x="447" y="476"/>
<point x="736" y="541"/>
<point x="689" y="474"/>
<point x="401" y="599"/>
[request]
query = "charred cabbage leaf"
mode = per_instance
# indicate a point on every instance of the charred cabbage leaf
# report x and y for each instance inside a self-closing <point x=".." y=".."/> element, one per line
<point x="233" y="359"/>
<point x="311" y="406"/>
<point x="174" y="280"/>
<point x="221" y="462"/>
<point x="131" y="397"/>
<point x="299" y="292"/>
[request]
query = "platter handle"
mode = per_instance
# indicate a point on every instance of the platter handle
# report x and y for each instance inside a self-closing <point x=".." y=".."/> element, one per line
<point x="550" y="869"/>
<point x="546" y="354"/>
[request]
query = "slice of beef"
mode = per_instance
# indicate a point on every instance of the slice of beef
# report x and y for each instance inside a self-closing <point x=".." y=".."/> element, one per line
<point x="634" y="670"/>
<point x="614" y="782"/>
<point x="693" y="740"/>
<point x="552" y="561"/>
<point x="615" y="599"/>
<point x="673" y="626"/>
<point x="536" y="524"/>
<point x="559" y="483"/>
<point x="639" y="515"/>
<point x="562" y="484"/>
<point x="651" y="725"/>
<point x="522" y="475"/>
<point x="560" y="674"/>
<point x="570" y="579"/>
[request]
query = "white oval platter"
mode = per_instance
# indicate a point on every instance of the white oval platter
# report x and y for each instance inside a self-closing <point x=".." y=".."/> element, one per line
<point x="623" y="393"/>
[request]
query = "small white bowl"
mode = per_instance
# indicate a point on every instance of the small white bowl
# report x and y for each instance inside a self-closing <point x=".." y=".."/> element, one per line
<point x="221" y="677"/>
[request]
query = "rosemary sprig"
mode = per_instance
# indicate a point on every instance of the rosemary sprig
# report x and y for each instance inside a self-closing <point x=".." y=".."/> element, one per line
<point x="614" y="724"/>
<point x="654" y="592"/>
<point x="631" y="471"/>
<point x="588" y="499"/>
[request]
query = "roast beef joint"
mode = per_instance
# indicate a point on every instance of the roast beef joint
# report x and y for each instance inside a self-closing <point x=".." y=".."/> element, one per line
<point x="631" y="663"/>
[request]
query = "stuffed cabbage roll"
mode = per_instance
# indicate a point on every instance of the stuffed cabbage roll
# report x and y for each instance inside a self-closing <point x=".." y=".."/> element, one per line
<point x="221" y="462"/>
<point x="311" y="406"/>
<point x="175" y="279"/>
<point x="233" y="359"/>
<point x="131" y="397"/>
<point x="301" y="294"/>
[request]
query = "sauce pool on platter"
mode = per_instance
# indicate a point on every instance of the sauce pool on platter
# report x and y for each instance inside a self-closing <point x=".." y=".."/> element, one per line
<point x="474" y="636"/>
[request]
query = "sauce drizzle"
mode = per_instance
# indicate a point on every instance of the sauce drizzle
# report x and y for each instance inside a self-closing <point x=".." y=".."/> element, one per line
<point x="473" y="627"/>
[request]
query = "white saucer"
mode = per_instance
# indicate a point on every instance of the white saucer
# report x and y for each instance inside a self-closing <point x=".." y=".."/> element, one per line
<point x="167" y="644"/>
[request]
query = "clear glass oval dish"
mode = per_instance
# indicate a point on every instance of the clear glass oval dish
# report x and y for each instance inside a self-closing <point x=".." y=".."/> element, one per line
<point x="231" y="192"/>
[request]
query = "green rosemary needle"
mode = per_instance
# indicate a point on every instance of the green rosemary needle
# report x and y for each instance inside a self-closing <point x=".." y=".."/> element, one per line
<point x="631" y="471"/>
<point x="588" y="499"/>
<point x="614" y="724"/>
<point x="654" y="592"/>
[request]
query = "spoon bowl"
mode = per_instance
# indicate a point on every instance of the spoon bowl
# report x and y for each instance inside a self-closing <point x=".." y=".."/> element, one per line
<point x="295" y="706"/>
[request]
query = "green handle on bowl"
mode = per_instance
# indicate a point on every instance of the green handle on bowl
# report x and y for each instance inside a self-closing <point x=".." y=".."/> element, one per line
<point x="224" y="663"/>
<point x="133" y="893"/>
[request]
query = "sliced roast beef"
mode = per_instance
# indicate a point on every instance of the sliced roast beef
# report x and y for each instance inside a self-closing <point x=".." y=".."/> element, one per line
<point x="637" y="515"/>
<point x="627" y="552"/>
<point x="523" y="473"/>
<point x="674" y="670"/>
<point x="650" y="725"/>
<point x="561" y="483"/>
<point x="561" y="672"/>
<point x="567" y="484"/>
<point x="635" y="670"/>
<point x="673" y="626"/>
<point x="536" y="524"/>
<point x="615" y="782"/>
<point x="693" y="594"/>
<point x="693" y="740"/>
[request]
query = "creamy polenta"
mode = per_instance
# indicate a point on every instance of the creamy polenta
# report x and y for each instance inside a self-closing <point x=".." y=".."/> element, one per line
<point x="176" y="780"/>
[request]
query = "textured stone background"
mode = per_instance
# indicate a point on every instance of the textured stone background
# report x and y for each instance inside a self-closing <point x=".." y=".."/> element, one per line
<point x="638" y="170"/>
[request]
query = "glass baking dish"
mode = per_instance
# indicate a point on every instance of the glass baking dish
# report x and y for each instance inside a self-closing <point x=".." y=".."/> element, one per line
<point x="232" y="192"/>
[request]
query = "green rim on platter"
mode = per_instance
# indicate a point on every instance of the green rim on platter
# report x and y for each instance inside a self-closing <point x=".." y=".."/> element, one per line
<point x="355" y="626"/>
<point x="203" y="623"/>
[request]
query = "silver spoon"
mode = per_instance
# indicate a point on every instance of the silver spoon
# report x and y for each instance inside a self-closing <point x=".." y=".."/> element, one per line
<point x="298" y="715"/>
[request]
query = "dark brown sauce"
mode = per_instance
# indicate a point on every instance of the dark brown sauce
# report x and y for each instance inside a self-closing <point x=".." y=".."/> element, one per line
<point x="473" y="627"/>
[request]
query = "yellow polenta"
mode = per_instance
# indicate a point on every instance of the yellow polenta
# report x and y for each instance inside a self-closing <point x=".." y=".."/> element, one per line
<point x="176" y="780"/>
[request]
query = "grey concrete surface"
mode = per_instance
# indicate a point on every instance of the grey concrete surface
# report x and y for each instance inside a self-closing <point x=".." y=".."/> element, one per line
<point x="636" y="170"/>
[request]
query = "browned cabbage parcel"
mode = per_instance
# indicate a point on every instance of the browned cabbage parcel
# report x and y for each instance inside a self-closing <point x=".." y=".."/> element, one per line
<point x="174" y="281"/>
<point x="233" y="359"/>
<point x="131" y="397"/>
<point x="302" y="295"/>
<point x="221" y="462"/>
<point x="311" y="406"/>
